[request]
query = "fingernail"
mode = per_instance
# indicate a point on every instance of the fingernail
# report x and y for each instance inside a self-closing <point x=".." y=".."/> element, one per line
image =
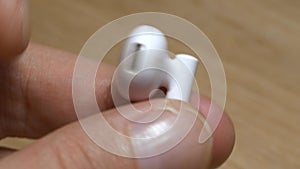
<point x="171" y="141"/>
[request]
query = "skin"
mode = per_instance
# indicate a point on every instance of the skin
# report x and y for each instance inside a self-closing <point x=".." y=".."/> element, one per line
<point x="36" y="102"/>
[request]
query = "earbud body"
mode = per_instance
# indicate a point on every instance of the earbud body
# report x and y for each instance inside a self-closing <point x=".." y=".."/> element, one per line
<point x="146" y="67"/>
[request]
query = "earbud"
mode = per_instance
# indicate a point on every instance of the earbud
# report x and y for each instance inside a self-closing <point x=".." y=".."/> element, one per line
<point x="146" y="68"/>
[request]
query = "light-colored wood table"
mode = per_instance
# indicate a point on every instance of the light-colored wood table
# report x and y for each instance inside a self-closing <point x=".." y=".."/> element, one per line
<point x="258" y="42"/>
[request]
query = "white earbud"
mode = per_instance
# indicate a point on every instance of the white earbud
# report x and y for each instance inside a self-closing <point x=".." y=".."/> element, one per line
<point x="146" y="67"/>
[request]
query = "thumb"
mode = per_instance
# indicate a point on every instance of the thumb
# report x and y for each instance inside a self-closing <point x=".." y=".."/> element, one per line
<point x="14" y="29"/>
<point x="70" y="147"/>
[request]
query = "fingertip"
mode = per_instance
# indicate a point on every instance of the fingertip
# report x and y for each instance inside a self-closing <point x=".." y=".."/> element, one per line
<point x="224" y="139"/>
<point x="223" y="136"/>
<point x="14" y="31"/>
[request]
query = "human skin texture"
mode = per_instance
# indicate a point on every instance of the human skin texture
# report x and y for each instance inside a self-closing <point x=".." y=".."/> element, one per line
<point x="36" y="102"/>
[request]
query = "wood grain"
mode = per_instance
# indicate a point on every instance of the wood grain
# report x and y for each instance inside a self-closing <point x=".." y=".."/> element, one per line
<point x="258" y="42"/>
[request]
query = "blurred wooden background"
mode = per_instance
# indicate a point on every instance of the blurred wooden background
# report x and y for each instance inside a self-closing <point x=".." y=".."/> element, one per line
<point x="258" y="42"/>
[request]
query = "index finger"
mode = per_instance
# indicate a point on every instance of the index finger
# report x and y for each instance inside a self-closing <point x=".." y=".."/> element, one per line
<point x="36" y="92"/>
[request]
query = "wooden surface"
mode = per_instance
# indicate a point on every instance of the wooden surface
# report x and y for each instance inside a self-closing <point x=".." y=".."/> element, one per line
<point x="258" y="42"/>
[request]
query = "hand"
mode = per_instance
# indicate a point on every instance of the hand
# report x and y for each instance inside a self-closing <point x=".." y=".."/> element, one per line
<point x="36" y="102"/>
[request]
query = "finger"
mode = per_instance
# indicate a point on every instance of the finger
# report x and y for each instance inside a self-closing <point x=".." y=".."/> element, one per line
<point x="37" y="92"/>
<point x="69" y="147"/>
<point x="46" y="108"/>
<point x="14" y="29"/>
<point x="224" y="136"/>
